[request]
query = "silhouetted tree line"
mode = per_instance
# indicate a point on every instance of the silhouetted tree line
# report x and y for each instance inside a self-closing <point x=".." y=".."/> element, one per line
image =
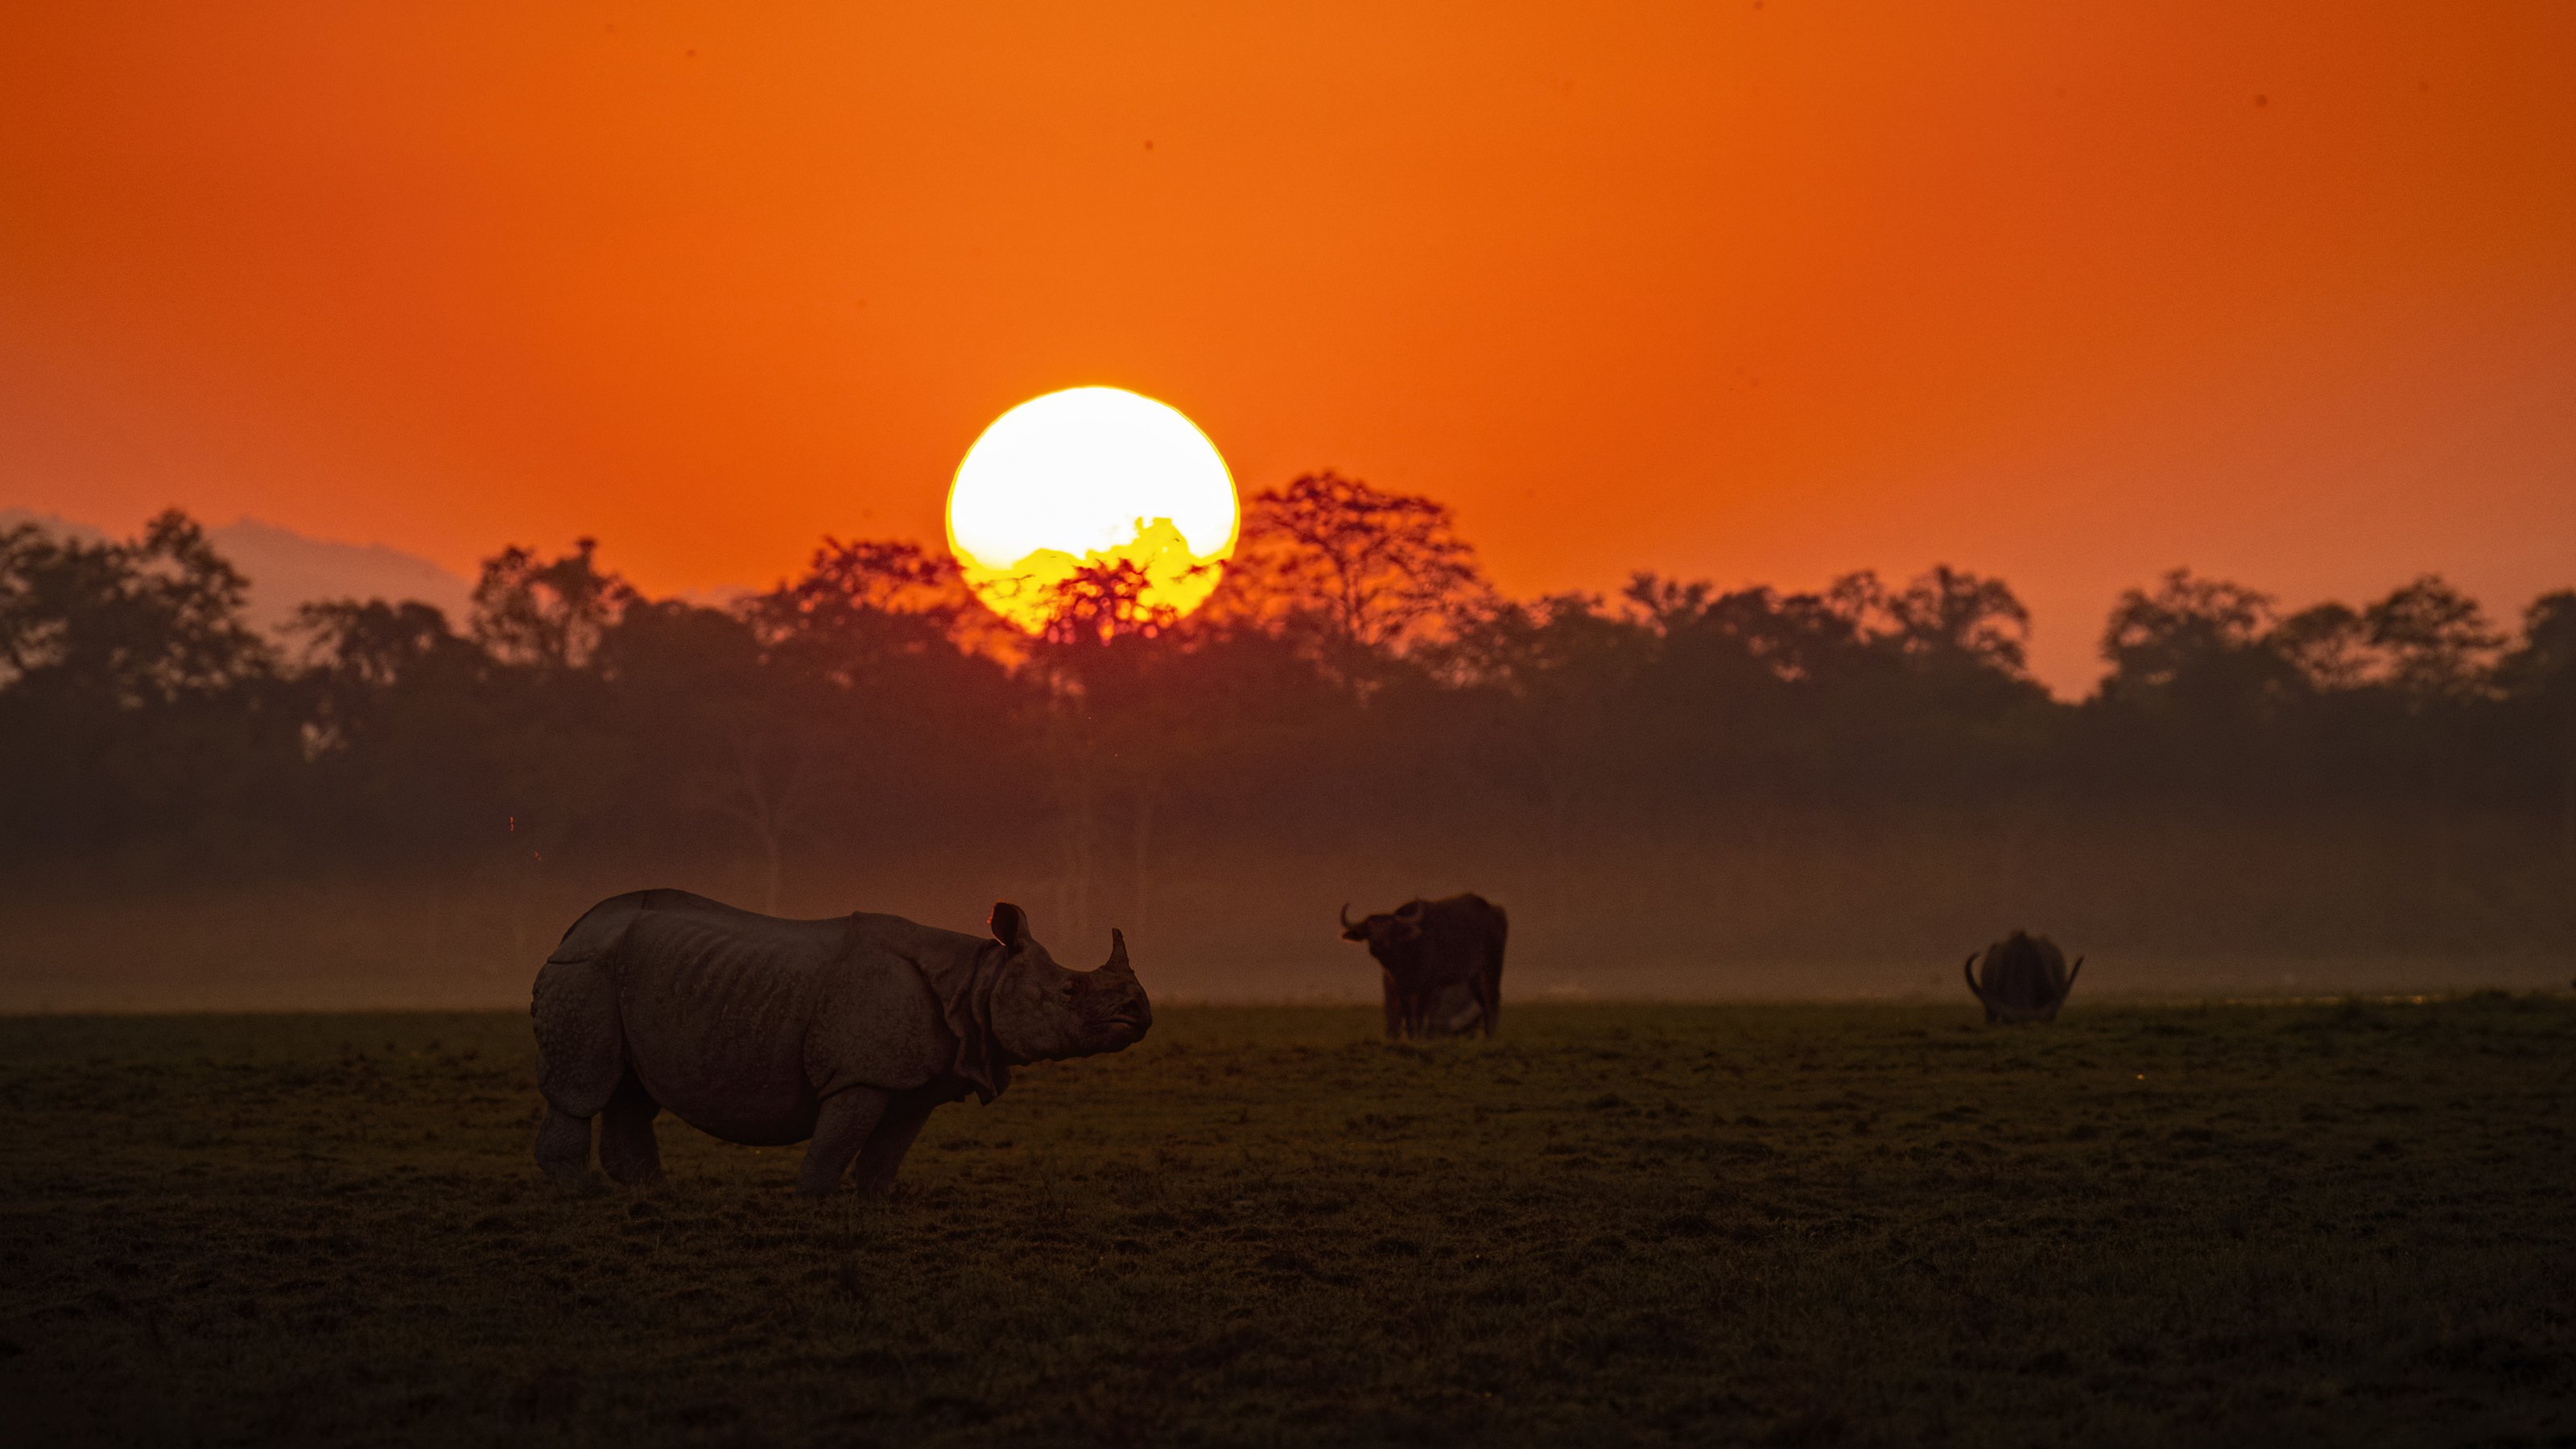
<point x="1353" y="678"/>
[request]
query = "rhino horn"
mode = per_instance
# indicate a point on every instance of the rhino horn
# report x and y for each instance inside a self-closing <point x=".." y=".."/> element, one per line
<point x="1117" y="962"/>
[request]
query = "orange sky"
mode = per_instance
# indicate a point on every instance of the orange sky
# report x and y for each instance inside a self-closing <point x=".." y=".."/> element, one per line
<point x="2069" y="293"/>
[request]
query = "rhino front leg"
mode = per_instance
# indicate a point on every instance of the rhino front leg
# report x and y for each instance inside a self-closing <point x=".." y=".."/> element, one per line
<point x="883" y="1156"/>
<point x="842" y="1128"/>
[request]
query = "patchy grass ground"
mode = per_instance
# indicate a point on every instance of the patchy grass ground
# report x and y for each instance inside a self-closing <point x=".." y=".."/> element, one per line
<point x="2340" y="1223"/>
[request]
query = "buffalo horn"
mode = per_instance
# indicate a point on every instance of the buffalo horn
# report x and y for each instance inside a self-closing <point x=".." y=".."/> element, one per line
<point x="1968" y="968"/>
<point x="1347" y="922"/>
<point x="2070" y="977"/>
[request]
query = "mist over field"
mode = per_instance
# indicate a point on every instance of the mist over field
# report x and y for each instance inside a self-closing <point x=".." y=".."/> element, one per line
<point x="1679" y="793"/>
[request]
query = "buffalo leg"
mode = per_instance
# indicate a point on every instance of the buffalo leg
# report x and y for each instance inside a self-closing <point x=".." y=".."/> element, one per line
<point x="883" y="1156"/>
<point x="839" y="1132"/>
<point x="626" y="1144"/>
<point x="1489" y="999"/>
<point x="1394" y="1008"/>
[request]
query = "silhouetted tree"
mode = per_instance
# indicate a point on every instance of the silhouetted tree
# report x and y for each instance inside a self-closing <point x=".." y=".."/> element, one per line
<point x="1952" y="619"/>
<point x="136" y="708"/>
<point x="2435" y="638"/>
<point x="2540" y="675"/>
<point x="145" y="621"/>
<point x="1359" y="570"/>
<point x="2195" y="647"/>
<point x="2327" y="648"/>
<point x="363" y="661"/>
<point x="859" y="606"/>
<point x="734" y="736"/>
<point x="1733" y="638"/>
<point x="547" y="614"/>
<point x="1564" y="671"/>
<point x="1109" y="732"/>
<point x="374" y="644"/>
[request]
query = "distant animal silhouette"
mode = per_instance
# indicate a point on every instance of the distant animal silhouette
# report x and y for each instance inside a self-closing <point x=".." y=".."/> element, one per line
<point x="1431" y="950"/>
<point x="765" y="1031"/>
<point x="2025" y="978"/>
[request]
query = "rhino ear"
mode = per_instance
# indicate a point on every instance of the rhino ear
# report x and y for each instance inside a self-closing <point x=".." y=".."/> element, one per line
<point x="1010" y="924"/>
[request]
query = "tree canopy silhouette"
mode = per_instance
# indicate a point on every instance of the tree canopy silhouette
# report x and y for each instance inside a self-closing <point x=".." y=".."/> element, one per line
<point x="1354" y="678"/>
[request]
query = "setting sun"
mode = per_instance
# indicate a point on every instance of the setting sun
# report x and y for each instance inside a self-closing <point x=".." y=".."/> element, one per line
<point x="1086" y="477"/>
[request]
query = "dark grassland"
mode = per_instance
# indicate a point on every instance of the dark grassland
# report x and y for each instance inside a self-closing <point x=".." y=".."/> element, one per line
<point x="2340" y="1223"/>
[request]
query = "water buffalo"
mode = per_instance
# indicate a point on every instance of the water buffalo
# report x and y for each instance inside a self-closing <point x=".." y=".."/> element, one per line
<point x="1430" y="950"/>
<point x="2026" y="978"/>
<point x="763" y="1031"/>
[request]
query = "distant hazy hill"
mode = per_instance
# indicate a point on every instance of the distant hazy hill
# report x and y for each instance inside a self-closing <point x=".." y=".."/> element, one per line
<point x="286" y="568"/>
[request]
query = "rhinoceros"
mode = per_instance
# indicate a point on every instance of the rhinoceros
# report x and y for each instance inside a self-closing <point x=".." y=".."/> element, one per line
<point x="768" y="1032"/>
<point x="2026" y="978"/>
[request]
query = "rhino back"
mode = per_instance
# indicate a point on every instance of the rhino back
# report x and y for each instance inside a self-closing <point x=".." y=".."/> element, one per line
<point x="715" y="1007"/>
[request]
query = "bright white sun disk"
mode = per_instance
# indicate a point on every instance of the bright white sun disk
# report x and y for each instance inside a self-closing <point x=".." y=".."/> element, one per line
<point x="1090" y="475"/>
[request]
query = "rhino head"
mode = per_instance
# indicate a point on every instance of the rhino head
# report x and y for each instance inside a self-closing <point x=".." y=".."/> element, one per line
<point x="1043" y="1012"/>
<point x="2025" y="978"/>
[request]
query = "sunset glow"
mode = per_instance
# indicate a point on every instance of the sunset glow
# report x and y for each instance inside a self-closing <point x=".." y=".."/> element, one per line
<point x="1727" y="292"/>
<point x="1086" y="477"/>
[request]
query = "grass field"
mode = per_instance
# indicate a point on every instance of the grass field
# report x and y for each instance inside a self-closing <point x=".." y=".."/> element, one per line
<point x="2344" y="1223"/>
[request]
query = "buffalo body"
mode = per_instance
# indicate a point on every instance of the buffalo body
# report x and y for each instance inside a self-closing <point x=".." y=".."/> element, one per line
<point x="1441" y="963"/>
<point x="2024" y="978"/>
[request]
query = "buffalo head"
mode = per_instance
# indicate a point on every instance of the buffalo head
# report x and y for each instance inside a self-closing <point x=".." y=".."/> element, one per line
<point x="1387" y="930"/>
<point x="2025" y="978"/>
<point x="1044" y="1012"/>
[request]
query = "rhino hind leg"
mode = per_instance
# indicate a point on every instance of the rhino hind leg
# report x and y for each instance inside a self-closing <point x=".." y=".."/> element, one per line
<point x="581" y="1060"/>
<point x="563" y="1147"/>
<point x="627" y="1147"/>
